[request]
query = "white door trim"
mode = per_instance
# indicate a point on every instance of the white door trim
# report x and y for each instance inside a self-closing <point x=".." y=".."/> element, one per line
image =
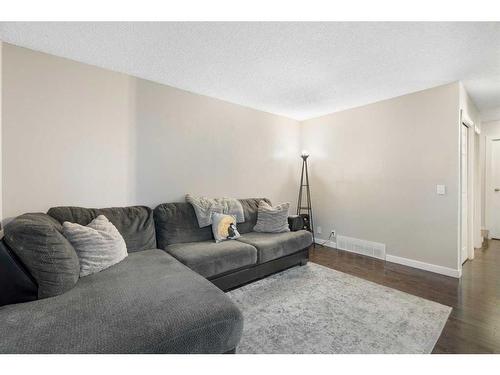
<point x="477" y="239"/>
<point x="469" y="124"/>
<point x="464" y="190"/>
<point x="487" y="181"/>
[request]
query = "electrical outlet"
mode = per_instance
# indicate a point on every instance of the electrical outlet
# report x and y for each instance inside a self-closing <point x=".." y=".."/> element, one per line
<point x="332" y="233"/>
<point x="318" y="230"/>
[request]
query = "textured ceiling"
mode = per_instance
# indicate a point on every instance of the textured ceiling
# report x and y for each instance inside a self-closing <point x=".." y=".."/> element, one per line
<point x="300" y="70"/>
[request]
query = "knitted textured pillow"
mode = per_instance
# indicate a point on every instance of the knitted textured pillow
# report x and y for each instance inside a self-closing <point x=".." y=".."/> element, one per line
<point x="272" y="219"/>
<point x="98" y="245"/>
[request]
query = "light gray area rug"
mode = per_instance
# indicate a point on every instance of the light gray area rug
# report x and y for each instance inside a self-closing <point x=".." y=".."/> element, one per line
<point x="314" y="309"/>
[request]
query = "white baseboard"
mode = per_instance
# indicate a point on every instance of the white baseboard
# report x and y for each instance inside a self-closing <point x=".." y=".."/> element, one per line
<point x="424" y="266"/>
<point x="407" y="262"/>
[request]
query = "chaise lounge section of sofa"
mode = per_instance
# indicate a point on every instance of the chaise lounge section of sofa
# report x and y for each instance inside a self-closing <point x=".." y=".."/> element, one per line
<point x="148" y="303"/>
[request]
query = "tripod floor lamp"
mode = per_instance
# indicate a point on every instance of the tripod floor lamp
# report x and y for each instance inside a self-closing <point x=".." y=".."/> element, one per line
<point x="304" y="206"/>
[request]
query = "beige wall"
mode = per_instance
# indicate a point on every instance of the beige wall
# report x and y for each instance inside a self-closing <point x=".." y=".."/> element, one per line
<point x="491" y="128"/>
<point x="74" y="134"/>
<point x="375" y="168"/>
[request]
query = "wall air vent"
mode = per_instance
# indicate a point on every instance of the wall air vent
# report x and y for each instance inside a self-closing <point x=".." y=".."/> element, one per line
<point x="363" y="247"/>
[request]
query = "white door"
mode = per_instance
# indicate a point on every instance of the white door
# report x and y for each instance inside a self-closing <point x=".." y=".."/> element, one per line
<point x="464" y="193"/>
<point x="494" y="190"/>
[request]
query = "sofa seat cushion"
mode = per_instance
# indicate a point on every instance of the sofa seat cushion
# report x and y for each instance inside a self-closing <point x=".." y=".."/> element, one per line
<point x="275" y="245"/>
<point x="211" y="259"/>
<point x="149" y="303"/>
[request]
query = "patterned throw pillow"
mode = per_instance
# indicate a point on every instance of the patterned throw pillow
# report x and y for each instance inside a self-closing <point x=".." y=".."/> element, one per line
<point x="272" y="219"/>
<point x="98" y="245"/>
<point x="224" y="227"/>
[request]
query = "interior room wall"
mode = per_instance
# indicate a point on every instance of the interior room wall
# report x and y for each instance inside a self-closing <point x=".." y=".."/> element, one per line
<point x="75" y="134"/>
<point x="374" y="171"/>
<point x="491" y="128"/>
<point x="490" y="115"/>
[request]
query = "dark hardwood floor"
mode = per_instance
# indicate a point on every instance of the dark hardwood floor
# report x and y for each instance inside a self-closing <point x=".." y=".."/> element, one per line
<point x="474" y="323"/>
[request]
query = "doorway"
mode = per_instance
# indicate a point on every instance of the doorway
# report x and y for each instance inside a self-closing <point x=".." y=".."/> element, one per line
<point x="464" y="190"/>
<point x="493" y="187"/>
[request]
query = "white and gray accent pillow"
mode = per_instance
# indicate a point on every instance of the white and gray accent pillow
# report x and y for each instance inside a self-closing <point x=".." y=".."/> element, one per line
<point x="98" y="245"/>
<point x="272" y="219"/>
<point x="224" y="227"/>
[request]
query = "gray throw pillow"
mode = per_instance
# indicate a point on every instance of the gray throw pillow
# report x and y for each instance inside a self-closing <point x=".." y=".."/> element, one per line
<point x="37" y="241"/>
<point x="99" y="245"/>
<point x="224" y="227"/>
<point x="272" y="219"/>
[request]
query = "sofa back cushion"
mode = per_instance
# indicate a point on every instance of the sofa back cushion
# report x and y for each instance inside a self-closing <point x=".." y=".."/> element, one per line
<point x="16" y="283"/>
<point x="37" y="241"/>
<point x="177" y="223"/>
<point x="135" y="224"/>
<point x="250" y="207"/>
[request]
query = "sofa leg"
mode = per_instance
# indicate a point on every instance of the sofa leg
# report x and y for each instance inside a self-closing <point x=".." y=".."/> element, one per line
<point x="303" y="262"/>
<point x="232" y="351"/>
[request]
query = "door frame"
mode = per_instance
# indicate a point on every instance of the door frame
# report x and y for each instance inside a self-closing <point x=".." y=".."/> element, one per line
<point x="471" y="136"/>
<point x="487" y="181"/>
<point x="478" y="190"/>
<point x="464" y="132"/>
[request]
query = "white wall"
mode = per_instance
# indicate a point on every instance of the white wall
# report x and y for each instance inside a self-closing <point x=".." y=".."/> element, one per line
<point x="490" y="115"/>
<point x="74" y="134"/>
<point x="374" y="171"/>
<point x="491" y="128"/>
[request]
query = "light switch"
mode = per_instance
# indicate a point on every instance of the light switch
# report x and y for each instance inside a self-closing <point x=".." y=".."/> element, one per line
<point x="441" y="189"/>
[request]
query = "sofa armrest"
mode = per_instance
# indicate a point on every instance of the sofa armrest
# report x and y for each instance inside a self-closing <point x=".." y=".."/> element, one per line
<point x="16" y="283"/>
<point x="295" y="222"/>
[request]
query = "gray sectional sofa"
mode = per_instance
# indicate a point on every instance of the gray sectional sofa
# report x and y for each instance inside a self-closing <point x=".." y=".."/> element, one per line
<point x="157" y="300"/>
